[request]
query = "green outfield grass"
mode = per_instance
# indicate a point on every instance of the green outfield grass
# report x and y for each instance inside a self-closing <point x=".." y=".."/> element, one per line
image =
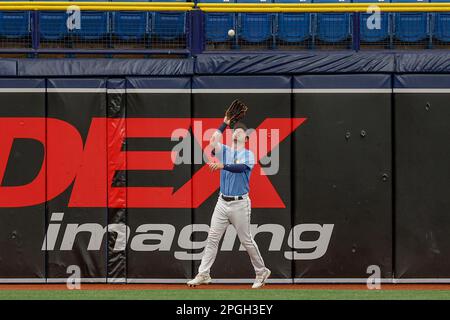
<point x="198" y="294"/>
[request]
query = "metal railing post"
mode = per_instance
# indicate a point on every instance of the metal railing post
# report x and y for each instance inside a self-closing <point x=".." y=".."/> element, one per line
<point x="356" y="31"/>
<point x="196" y="32"/>
<point x="35" y="36"/>
<point x="430" y="22"/>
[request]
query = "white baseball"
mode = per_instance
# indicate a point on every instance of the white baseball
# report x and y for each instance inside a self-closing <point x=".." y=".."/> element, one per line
<point x="231" y="33"/>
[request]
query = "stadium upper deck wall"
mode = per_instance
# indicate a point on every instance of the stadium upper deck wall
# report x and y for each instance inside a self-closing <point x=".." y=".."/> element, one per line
<point x="229" y="64"/>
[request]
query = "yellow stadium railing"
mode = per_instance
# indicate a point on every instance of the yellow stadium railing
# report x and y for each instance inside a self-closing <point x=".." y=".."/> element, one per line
<point x="324" y="7"/>
<point x="226" y="7"/>
<point x="100" y="6"/>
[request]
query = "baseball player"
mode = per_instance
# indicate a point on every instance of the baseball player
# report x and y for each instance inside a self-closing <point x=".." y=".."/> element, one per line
<point x="233" y="205"/>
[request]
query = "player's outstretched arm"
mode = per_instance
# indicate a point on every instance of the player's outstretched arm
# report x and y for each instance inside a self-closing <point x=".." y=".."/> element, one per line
<point x="235" y="168"/>
<point x="214" y="142"/>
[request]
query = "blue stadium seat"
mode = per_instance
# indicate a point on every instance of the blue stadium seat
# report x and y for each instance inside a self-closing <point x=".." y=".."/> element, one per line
<point x="441" y="24"/>
<point x="411" y="26"/>
<point x="374" y="35"/>
<point x="130" y="25"/>
<point x="169" y="25"/>
<point x="333" y="27"/>
<point x="255" y="27"/>
<point x="94" y="24"/>
<point x="14" y="24"/>
<point x="293" y="27"/>
<point x="217" y="24"/>
<point x="52" y="25"/>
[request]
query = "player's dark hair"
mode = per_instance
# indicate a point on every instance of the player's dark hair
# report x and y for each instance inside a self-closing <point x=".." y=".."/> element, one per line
<point x="241" y="125"/>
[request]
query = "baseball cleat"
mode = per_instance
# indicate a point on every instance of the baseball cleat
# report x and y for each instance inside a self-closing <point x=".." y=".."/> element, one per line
<point x="199" y="279"/>
<point x="261" y="279"/>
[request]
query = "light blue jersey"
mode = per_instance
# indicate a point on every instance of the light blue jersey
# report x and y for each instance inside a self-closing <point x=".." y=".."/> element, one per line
<point x="235" y="184"/>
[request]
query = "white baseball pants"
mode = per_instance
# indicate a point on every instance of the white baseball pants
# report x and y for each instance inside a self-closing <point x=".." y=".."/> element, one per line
<point x="237" y="213"/>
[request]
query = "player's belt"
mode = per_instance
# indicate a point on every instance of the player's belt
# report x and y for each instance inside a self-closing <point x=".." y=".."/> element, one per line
<point x="232" y="198"/>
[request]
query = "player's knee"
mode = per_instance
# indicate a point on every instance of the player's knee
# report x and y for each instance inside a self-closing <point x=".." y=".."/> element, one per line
<point x="213" y="237"/>
<point x="248" y="243"/>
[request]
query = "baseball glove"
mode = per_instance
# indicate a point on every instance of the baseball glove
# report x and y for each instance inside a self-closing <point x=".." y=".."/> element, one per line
<point x="235" y="112"/>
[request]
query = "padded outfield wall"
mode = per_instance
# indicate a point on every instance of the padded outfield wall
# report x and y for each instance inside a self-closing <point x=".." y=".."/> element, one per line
<point x="88" y="178"/>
